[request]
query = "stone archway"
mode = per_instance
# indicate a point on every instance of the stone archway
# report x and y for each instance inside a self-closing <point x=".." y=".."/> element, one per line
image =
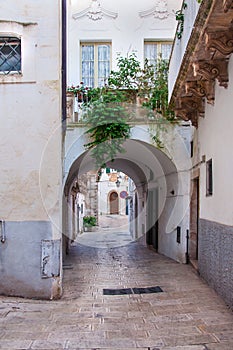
<point x="162" y="172"/>
<point x="113" y="202"/>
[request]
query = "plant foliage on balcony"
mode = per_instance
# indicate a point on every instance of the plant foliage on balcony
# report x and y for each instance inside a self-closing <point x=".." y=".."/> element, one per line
<point x="107" y="119"/>
<point x="107" y="113"/>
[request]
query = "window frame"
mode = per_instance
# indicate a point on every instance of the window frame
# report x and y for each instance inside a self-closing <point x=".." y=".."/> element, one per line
<point x="96" y="62"/>
<point x="16" y="38"/>
<point x="159" y="44"/>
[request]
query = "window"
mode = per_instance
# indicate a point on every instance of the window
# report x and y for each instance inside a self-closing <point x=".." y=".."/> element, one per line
<point x="10" y="55"/>
<point x="209" y="178"/>
<point x="153" y="50"/>
<point x="95" y="63"/>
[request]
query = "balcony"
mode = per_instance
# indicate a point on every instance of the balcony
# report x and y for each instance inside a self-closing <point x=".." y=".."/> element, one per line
<point x="200" y="57"/>
<point x="181" y="40"/>
<point x="134" y="109"/>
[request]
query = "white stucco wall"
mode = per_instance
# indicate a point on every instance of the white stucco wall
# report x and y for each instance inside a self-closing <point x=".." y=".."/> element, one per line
<point x="105" y="187"/>
<point x="216" y="142"/>
<point x="127" y="31"/>
<point x="30" y="152"/>
<point x="30" y="140"/>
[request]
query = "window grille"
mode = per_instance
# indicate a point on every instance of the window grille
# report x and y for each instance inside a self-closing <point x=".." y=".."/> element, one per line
<point x="10" y="55"/>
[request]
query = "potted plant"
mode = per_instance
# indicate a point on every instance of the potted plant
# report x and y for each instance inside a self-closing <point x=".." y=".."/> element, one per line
<point x="89" y="223"/>
<point x="79" y="91"/>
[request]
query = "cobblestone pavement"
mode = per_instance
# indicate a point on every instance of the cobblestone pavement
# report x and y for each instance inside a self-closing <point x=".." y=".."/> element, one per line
<point x="187" y="315"/>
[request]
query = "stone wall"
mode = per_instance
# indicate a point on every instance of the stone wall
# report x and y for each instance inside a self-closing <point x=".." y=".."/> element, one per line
<point x="24" y="268"/>
<point x="216" y="257"/>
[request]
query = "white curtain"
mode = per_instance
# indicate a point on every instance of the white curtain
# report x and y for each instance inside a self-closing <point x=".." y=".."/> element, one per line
<point x="103" y="63"/>
<point x="88" y="65"/>
<point x="154" y="50"/>
<point x="151" y="53"/>
<point x="166" y="51"/>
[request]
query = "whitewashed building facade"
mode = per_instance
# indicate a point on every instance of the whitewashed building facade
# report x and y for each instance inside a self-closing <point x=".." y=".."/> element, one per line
<point x="201" y="85"/>
<point x="31" y="148"/>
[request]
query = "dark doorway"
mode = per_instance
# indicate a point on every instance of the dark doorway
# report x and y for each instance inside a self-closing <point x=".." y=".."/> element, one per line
<point x="152" y="219"/>
<point x="194" y="220"/>
<point x="114" y="203"/>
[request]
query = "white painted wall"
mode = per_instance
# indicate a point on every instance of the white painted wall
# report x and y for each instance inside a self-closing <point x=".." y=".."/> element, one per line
<point x="215" y="141"/>
<point x="30" y="149"/>
<point x="105" y="187"/>
<point x="127" y="32"/>
<point x="30" y="115"/>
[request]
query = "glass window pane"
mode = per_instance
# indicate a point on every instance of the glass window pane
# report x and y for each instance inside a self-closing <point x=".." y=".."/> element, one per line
<point x="88" y="65"/>
<point x="151" y="53"/>
<point x="95" y="56"/>
<point x="103" y="63"/>
<point x="166" y="51"/>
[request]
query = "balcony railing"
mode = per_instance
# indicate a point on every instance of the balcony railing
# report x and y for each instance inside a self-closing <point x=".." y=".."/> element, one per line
<point x="134" y="109"/>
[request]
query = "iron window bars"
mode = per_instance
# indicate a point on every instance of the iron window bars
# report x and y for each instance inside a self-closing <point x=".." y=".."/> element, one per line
<point x="10" y="55"/>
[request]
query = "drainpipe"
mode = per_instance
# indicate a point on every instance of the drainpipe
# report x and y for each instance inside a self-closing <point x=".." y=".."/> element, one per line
<point x="2" y="231"/>
<point x="187" y="247"/>
<point x="63" y="64"/>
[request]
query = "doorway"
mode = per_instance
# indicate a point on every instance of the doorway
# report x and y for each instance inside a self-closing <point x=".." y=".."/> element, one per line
<point x="194" y="220"/>
<point x="114" y="203"/>
<point x="152" y="219"/>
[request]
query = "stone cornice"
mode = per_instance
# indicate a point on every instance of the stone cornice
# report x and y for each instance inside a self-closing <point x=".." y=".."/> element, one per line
<point x="205" y="60"/>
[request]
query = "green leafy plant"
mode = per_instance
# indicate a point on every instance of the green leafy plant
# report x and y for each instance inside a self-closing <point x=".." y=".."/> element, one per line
<point x="180" y="19"/>
<point x="89" y="221"/>
<point x="107" y="111"/>
<point x="127" y="75"/>
<point x="107" y="118"/>
<point x="158" y="98"/>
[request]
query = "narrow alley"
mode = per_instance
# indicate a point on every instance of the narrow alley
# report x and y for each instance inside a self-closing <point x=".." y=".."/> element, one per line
<point x="184" y="313"/>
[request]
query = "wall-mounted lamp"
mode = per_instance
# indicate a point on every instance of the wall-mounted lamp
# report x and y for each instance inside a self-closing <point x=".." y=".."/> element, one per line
<point x="118" y="183"/>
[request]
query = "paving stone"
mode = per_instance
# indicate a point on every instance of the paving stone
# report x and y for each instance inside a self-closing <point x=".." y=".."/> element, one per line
<point x="190" y="340"/>
<point x="188" y="315"/>
<point x="125" y="333"/>
<point x="220" y="346"/>
<point x="15" y="344"/>
<point x="186" y="347"/>
<point x="48" y="345"/>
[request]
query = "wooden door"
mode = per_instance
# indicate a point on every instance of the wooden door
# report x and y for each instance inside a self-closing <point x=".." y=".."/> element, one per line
<point x="114" y="203"/>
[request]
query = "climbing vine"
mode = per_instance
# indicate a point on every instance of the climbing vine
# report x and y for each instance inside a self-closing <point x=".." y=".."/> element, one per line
<point x="108" y="122"/>
<point x="106" y="110"/>
<point x="180" y="19"/>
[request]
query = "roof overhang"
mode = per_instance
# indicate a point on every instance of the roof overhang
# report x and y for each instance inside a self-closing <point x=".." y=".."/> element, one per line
<point x="205" y="61"/>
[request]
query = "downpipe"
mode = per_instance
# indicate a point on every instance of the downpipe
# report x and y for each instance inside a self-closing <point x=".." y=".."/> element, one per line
<point x="2" y="231"/>
<point x="187" y="247"/>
